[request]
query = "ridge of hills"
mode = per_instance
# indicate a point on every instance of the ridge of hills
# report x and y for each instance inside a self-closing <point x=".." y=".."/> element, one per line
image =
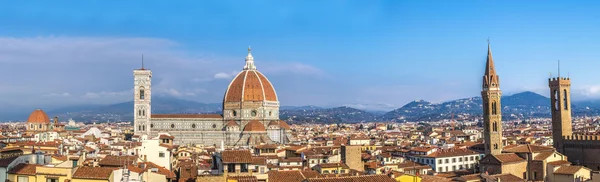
<point x="518" y="106"/>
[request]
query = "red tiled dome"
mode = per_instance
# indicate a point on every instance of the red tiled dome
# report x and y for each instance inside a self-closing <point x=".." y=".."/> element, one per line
<point x="250" y="85"/>
<point x="281" y="124"/>
<point x="38" y="116"/>
<point x="254" y="125"/>
<point x="232" y="123"/>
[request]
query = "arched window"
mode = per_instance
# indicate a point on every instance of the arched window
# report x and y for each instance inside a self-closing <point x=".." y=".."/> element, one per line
<point x="556" y="100"/>
<point x="565" y="103"/>
<point x="143" y="127"/>
<point x="143" y="112"/>
<point x="495" y="127"/>
<point x="31" y="126"/>
<point x="495" y="146"/>
<point x="140" y="127"/>
<point x="494" y="107"/>
<point x="142" y="94"/>
<point x="139" y="112"/>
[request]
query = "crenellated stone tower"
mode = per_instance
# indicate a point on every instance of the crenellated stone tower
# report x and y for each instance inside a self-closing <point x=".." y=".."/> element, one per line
<point x="560" y="99"/>
<point x="492" y="109"/>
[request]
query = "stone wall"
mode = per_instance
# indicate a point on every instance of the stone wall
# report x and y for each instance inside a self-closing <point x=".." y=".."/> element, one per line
<point x="583" y="150"/>
<point x="518" y="169"/>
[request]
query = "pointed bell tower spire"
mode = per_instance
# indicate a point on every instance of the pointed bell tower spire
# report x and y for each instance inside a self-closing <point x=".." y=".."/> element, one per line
<point x="249" y="61"/>
<point x="490" y="79"/>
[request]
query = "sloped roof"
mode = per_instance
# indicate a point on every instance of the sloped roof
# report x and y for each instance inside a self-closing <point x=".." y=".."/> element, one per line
<point x="568" y="169"/>
<point x="291" y="176"/>
<point x="367" y="178"/>
<point x="93" y="172"/>
<point x="236" y="156"/>
<point x="527" y="148"/>
<point x="508" y="158"/>
<point x="24" y="169"/>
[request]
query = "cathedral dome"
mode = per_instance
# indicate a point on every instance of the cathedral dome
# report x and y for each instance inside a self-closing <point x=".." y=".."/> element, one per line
<point x="38" y="116"/>
<point x="250" y="85"/>
<point x="254" y="125"/>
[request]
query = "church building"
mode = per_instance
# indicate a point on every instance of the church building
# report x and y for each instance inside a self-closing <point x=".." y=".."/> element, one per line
<point x="250" y="113"/>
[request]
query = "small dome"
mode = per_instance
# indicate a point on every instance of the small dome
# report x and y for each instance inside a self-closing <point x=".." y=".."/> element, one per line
<point x="232" y="123"/>
<point x="255" y="125"/>
<point x="280" y="124"/>
<point x="38" y="116"/>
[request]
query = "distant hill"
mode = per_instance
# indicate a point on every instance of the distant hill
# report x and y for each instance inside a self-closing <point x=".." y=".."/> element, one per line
<point x="521" y="105"/>
<point x="329" y="115"/>
<point x="124" y="111"/>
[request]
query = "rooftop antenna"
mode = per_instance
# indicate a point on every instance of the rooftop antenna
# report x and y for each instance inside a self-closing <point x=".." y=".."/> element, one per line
<point x="142" y="61"/>
<point x="558" y="68"/>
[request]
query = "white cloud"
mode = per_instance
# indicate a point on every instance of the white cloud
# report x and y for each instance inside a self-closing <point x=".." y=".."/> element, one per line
<point x="92" y="70"/>
<point x="292" y="67"/>
<point x="64" y="94"/>
<point x="587" y="91"/>
<point x="223" y="75"/>
<point x="108" y="94"/>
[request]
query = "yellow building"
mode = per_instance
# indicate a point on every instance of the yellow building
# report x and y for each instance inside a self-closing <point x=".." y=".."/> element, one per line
<point x="408" y="178"/>
<point x="39" y="173"/>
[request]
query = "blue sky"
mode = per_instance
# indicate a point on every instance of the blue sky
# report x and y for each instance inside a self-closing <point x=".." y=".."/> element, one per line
<point x="366" y="54"/>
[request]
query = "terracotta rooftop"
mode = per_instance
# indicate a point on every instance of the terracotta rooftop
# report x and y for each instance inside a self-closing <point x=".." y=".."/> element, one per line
<point x="232" y="123"/>
<point x="38" y="116"/>
<point x="281" y="124"/>
<point x="254" y="126"/>
<point x="216" y="116"/>
<point x="291" y="176"/>
<point x="259" y="161"/>
<point x="243" y="178"/>
<point x="24" y="169"/>
<point x="117" y="161"/>
<point x="527" y="148"/>
<point x="330" y="165"/>
<point x="568" y="169"/>
<point x="507" y="177"/>
<point x="166" y="137"/>
<point x="236" y="156"/>
<point x="93" y="172"/>
<point x="508" y="158"/>
<point x="368" y="178"/>
<point x="559" y="163"/>
<point x="543" y="155"/>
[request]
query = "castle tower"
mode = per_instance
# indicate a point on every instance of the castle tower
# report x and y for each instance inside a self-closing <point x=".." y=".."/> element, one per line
<point x="142" y="97"/>
<point x="492" y="109"/>
<point x="560" y="99"/>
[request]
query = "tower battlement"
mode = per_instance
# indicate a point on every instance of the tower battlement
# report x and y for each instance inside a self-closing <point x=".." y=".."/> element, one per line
<point x="578" y="137"/>
<point x="559" y="81"/>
